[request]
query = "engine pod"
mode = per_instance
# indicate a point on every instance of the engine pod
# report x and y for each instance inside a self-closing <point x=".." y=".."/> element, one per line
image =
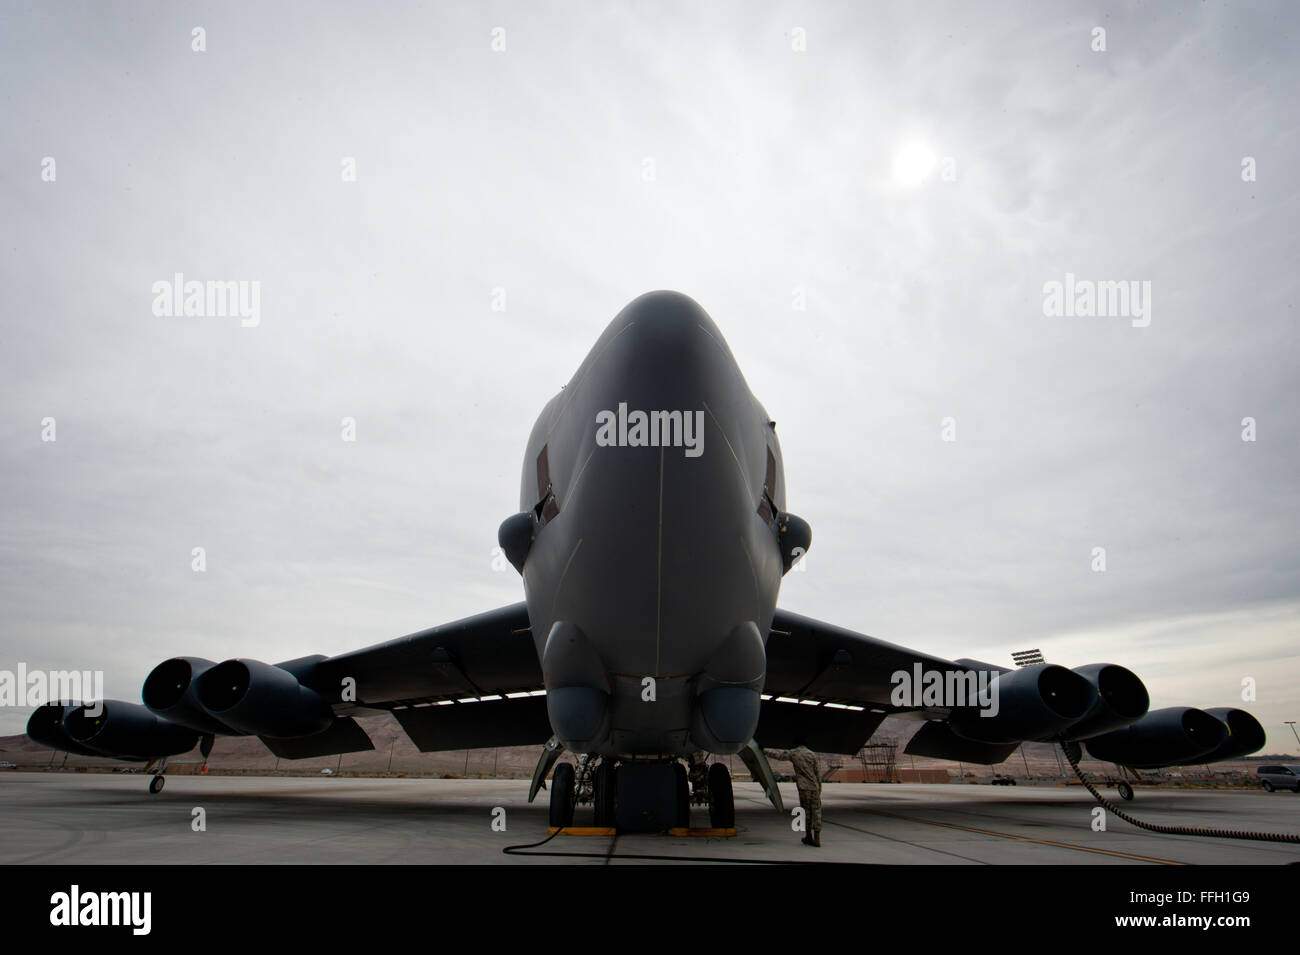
<point x="1164" y="737"/>
<point x="127" y="731"/>
<point x="169" y="691"/>
<point x="1121" y="700"/>
<point x="45" y="726"/>
<point x="263" y="700"/>
<point x="1245" y="735"/>
<point x="1034" y="702"/>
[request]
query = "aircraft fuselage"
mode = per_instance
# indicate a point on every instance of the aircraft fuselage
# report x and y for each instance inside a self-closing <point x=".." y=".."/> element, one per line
<point x="655" y="480"/>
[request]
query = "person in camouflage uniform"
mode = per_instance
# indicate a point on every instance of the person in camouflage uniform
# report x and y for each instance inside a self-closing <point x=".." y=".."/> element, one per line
<point x="809" y="782"/>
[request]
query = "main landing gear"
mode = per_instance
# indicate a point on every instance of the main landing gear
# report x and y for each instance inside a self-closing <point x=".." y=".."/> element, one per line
<point x="722" y="806"/>
<point x="563" y="787"/>
<point x="640" y="795"/>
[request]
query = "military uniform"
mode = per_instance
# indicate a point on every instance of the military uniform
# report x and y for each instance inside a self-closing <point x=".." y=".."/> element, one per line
<point x="809" y="783"/>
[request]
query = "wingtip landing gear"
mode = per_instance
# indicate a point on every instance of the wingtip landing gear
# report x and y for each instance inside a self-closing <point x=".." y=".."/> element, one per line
<point x="157" y="767"/>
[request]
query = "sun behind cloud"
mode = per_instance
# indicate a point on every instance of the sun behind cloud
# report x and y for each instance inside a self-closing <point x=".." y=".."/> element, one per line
<point x="913" y="163"/>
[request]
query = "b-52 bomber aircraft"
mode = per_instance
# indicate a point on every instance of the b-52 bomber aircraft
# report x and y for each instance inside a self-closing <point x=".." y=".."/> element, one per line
<point x="652" y="536"/>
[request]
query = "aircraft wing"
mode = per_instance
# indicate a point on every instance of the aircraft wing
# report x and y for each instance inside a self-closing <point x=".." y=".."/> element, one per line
<point x="467" y="684"/>
<point x="488" y="654"/>
<point x="830" y="688"/>
<point x="476" y="683"/>
<point x="808" y="659"/>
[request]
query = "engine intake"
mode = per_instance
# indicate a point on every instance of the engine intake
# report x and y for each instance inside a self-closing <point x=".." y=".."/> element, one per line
<point x="169" y="691"/>
<point x="1121" y="700"/>
<point x="261" y="699"/>
<point x="127" y="731"/>
<point x="1245" y="735"/>
<point x="1035" y="702"/>
<point x="1174" y="735"/>
<point x="45" y="726"/>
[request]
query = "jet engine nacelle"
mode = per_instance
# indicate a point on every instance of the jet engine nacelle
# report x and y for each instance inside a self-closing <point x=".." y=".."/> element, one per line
<point x="127" y="731"/>
<point x="1245" y="735"/>
<point x="45" y="726"/>
<point x="263" y="700"/>
<point x="1034" y="702"/>
<point x="1120" y="700"/>
<point x="169" y="691"/>
<point x="1174" y="735"/>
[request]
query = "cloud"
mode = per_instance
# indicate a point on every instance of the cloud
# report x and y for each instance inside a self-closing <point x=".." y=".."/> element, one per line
<point x="525" y="171"/>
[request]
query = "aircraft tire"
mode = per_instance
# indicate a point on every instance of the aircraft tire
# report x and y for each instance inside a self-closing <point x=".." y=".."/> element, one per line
<point x="604" y="792"/>
<point x="562" y="786"/>
<point x="722" y="806"/>
<point x="683" y="796"/>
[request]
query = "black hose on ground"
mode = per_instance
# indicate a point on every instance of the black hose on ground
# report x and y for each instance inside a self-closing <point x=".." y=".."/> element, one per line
<point x="1174" y="830"/>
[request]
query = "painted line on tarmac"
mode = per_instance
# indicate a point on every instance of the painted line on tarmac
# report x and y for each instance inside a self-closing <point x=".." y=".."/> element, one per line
<point x="1009" y="835"/>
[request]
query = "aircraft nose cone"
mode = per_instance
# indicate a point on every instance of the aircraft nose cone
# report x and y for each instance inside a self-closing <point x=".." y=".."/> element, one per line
<point x="665" y="308"/>
<point x="663" y="326"/>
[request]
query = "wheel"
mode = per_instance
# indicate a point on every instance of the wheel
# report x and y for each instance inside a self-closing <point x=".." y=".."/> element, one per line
<point x="603" y="790"/>
<point x="157" y="783"/>
<point x="722" y="808"/>
<point x="1268" y="786"/>
<point x="1125" y="791"/>
<point x="683" y="797"/>
<point x="562" y="784"/>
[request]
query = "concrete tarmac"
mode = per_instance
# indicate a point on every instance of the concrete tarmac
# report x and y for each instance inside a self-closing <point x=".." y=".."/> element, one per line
<point x="80" y="819"/>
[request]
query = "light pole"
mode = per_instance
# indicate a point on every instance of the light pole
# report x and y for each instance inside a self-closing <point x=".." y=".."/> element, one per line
<point x="1291" y="723"/>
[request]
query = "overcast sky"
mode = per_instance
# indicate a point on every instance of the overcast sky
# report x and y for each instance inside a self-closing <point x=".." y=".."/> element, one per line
<point x="747" y="154"/>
